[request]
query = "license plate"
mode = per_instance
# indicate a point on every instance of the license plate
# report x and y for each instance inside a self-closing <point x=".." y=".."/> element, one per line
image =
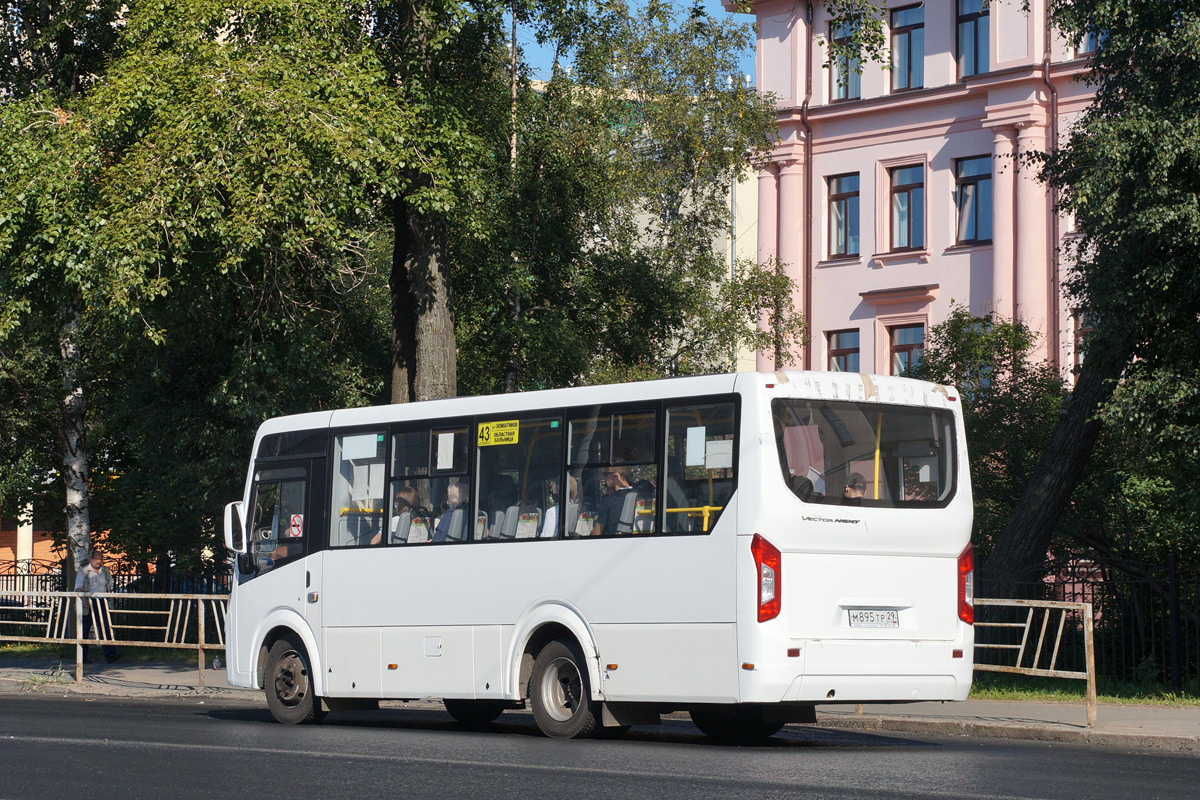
<point x="874" y="618"/>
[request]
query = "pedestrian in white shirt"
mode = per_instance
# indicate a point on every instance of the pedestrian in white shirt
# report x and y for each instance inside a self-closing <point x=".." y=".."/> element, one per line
<point x="93" y="576"/>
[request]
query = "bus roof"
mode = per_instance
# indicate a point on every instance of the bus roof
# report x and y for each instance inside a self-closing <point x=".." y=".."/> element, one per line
<point x="827" y="385"/>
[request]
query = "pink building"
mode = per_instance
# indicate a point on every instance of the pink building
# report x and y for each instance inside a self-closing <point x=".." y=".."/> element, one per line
<point x="892" y="194"/>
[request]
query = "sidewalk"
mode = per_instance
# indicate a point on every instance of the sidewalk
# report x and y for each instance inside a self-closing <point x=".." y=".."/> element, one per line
<point x="1158" y="727"/>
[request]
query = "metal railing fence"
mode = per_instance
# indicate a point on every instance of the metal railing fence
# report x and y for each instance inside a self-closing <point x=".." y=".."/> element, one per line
<point x="175" y="621"/>
<point x="1029" y="637"/>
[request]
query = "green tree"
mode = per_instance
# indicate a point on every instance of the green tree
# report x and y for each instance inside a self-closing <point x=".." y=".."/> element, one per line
<point x="1010" y="403"/>
<point x="1130" y="174"/>
<point x="441" y="56"/>
<point x="49" y="286"/>
<point x="223" y="184"/>
<point x="596" y="258"/>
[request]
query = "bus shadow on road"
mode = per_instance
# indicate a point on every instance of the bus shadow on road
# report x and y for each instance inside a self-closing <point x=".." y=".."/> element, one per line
<point x="521" y="724"/>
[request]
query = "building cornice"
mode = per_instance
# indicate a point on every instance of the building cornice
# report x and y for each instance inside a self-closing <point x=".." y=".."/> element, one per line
<point x="905" y="294"/>
<point x="972" y="88"/>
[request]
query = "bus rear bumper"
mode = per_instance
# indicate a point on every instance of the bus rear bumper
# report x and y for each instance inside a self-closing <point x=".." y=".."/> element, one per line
<point x="862" y="672"/>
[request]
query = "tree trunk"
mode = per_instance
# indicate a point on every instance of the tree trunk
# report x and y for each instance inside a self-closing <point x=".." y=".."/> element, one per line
<point x="74" y="439"/>
<point x="424" y="349"/>
<point x="1022" y="547"/>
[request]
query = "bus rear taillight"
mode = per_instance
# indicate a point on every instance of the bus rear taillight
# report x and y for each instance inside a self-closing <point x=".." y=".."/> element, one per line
<point x="966" y="585"/>
<point x="769" y="561"/>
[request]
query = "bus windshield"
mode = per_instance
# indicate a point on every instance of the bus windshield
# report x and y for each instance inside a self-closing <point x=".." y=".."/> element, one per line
<point x="865" y="454"/>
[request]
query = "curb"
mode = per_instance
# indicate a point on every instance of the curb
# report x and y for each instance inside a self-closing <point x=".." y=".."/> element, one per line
<point x="995" y="730"/>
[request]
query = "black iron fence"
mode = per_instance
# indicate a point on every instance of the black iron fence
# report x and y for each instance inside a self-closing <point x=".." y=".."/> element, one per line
<point x="1147" y="627"/>
<point x="49" y="577"/>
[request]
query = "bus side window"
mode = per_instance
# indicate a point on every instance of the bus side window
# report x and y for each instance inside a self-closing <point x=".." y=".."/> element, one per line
<point x="517" y="461"/>
<point x="700" y="477"/>
<point x="412" y="499"/>
<point x="358" y="510"/>
<point x="607" y="445"/>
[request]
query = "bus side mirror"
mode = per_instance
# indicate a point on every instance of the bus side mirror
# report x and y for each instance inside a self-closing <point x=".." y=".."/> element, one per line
<point x="235" y="527"/>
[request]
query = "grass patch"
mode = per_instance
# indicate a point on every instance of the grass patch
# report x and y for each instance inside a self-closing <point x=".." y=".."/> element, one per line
<point x="995" y="686"/>
<point x="133" y="655"/>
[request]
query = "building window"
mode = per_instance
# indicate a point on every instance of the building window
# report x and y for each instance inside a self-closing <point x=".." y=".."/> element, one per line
<point x="843" y="215"/>
<point x="973" y="198"/>
<point x="908" y="207"/>
<point x="846" y="74"/>
<point x="843" y="351"/>
<point x="1088" y="44"/>
<point x="907" y="342"/>
<point x="972" y="37"/>
<point x="1083" y="329"/>
<point x="908" y="48"/>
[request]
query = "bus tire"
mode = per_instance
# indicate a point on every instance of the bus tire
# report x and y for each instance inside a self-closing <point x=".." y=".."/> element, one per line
<point x="734" y="724"/>
<point x="474" y="712"/>
<point x="561" y="693"/>
<point x="289" y="686"/>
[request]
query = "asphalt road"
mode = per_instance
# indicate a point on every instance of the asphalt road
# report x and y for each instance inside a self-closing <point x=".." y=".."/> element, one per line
<point x="73" y="747"/>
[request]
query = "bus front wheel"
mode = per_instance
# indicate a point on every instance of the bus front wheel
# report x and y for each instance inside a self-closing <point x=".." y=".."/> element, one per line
<point x="289" y="685"/>
<point x="734" y="724"/>
<point x="561" y="694"/>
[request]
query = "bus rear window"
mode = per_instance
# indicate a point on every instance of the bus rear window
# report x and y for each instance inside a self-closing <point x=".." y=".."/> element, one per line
<point x="868" y="454"/>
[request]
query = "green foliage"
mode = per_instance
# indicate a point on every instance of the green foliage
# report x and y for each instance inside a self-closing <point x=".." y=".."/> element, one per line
<point x="217" y="206"/>
<point x="594" y="256"/>
<point x="218" y="190"/>
<point x="760" y="292"/>
<point x="59" y="46"/>
<point x="1129" y="173"/>
<point x="1128" y="510"/>
<point x="1010" y="404"/>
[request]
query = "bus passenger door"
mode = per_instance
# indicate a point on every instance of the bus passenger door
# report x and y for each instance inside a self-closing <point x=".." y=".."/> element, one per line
<point x="274" y="573"/>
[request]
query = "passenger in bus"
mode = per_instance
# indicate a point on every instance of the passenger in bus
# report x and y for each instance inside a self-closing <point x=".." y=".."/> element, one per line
<point x="550" y="524"/>
<point x="616" y="481"/>
<point x="856" y="487"/>
<point x="447" y="527"/>
<point x="407" y="501"/>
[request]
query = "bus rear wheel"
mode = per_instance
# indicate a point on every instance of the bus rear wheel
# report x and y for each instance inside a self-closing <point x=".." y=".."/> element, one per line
<point x="561" y="694"/>
<point x="474" y="712"/>
<point x="734" y="724"/>
<point x="289" y="685"/>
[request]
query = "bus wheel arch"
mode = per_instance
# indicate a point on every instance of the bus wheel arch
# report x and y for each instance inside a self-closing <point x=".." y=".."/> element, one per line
<point x="544" y="624"/>
<point x="276" y="629"/>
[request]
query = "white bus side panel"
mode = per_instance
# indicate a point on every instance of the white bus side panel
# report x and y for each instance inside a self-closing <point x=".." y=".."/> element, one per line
<point x="352" y="662"/>
<point x="435" y="661"/>
<point x="275" y="598"/>
<point x="696" y="663"/>
<point x="412" y="592"/>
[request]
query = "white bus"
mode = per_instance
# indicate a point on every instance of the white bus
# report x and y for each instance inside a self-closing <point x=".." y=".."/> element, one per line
<point x="741" y="547"/>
